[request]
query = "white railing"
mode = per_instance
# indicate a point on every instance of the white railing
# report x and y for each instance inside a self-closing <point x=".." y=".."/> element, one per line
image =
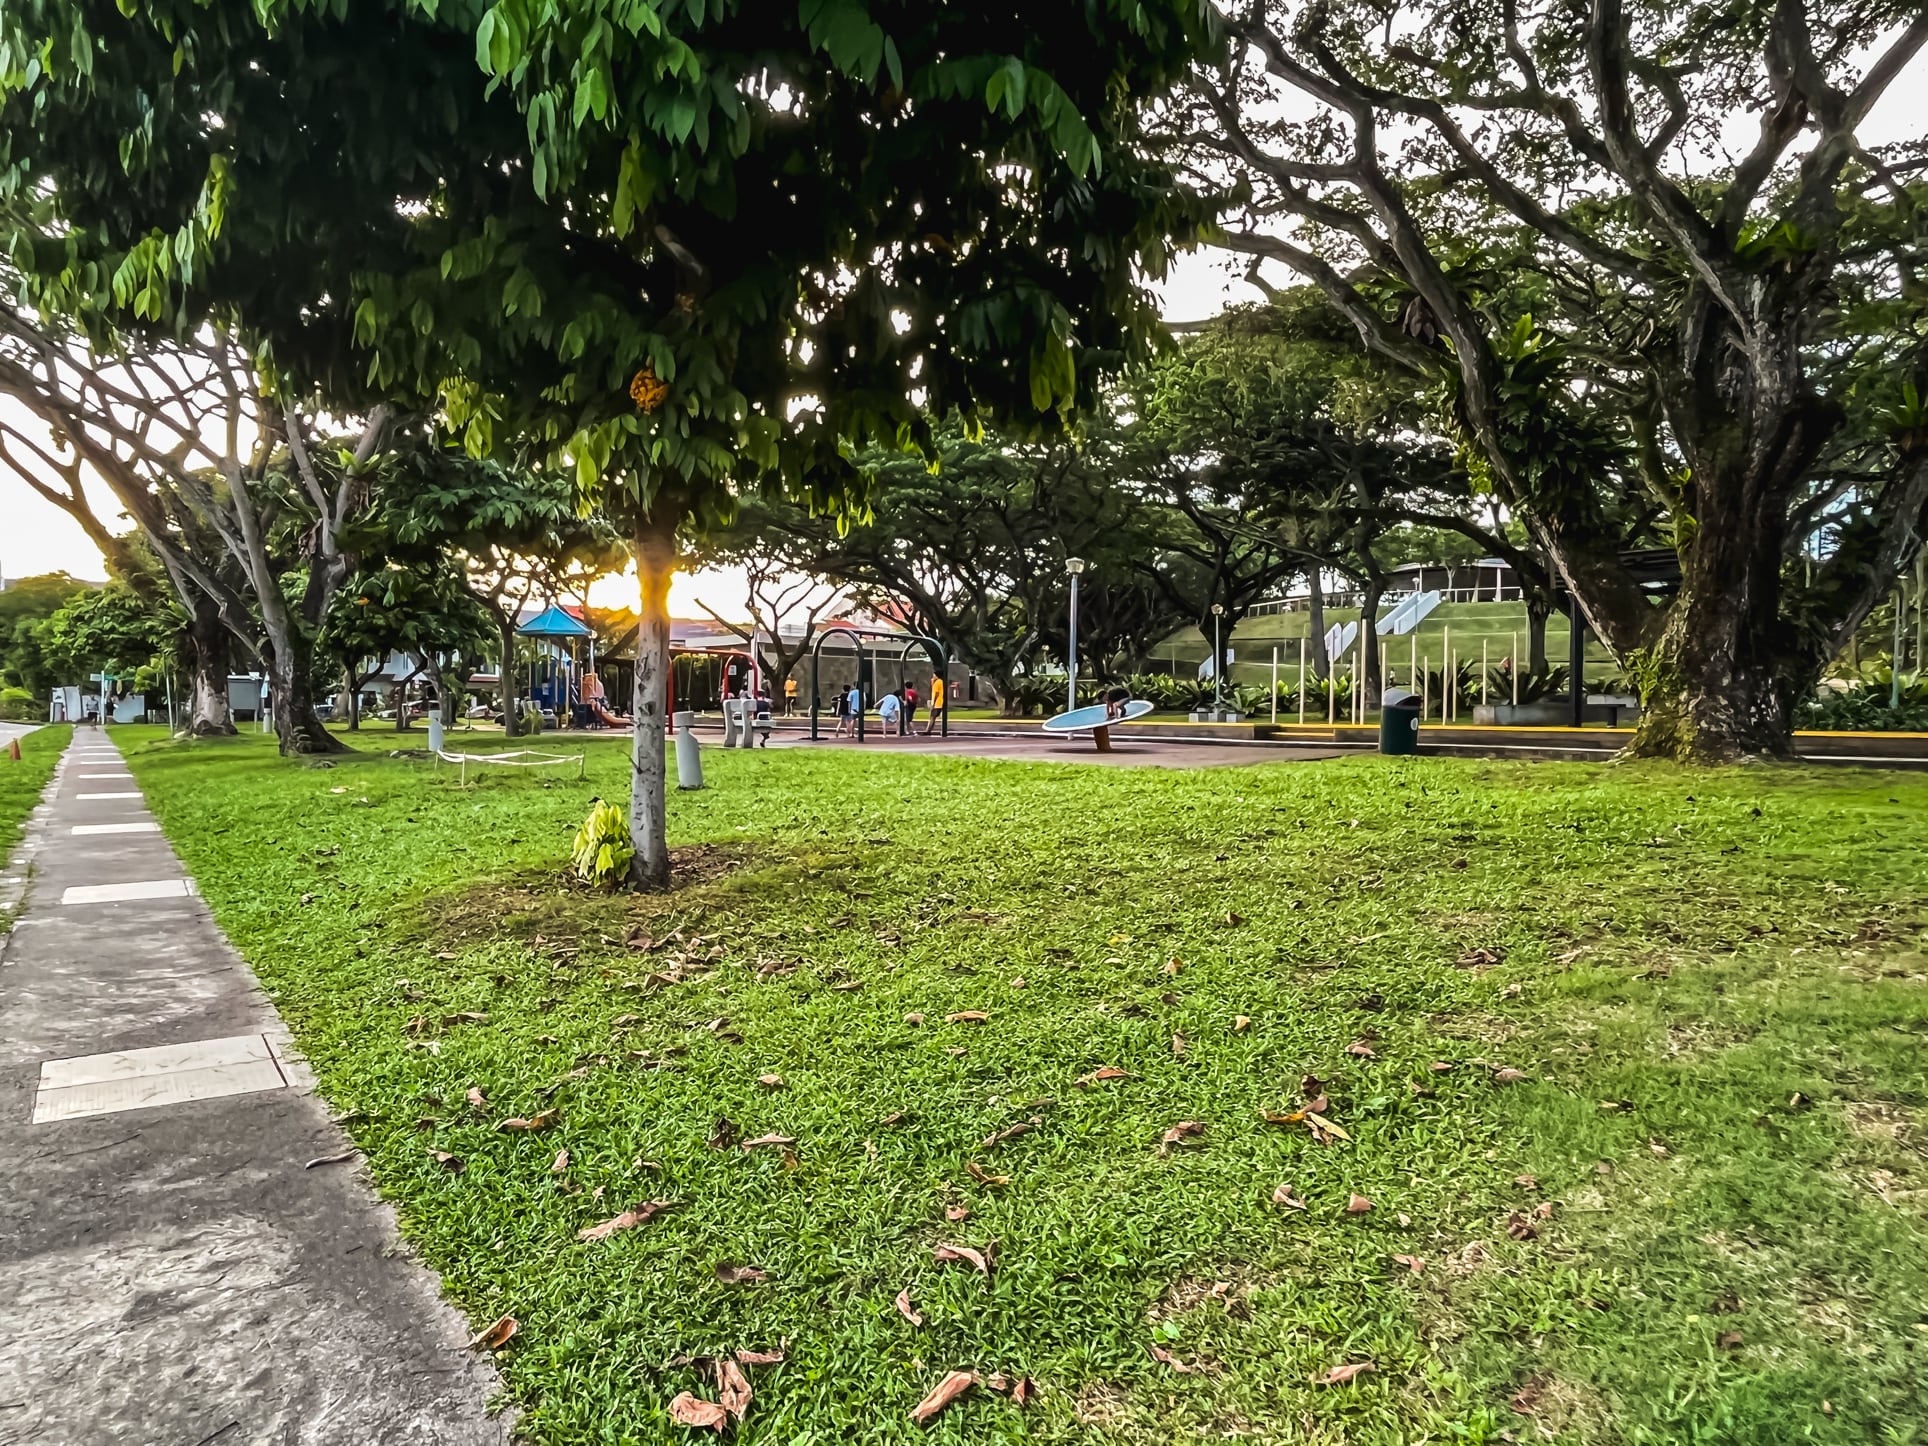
<point x="1484" y="593"/>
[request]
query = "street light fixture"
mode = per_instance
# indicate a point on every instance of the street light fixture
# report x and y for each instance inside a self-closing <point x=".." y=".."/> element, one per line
<point x="1075" y="566"/>
<point x="1218" y="661"/>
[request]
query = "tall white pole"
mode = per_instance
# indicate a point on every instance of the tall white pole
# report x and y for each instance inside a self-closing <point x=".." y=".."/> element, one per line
<point x="1071" y="653"/>
<point x="1302" y="680"/>
<point x="1275" y="684"/>
<point x="1482" y="671"/>
<point x="1515" y="669"/>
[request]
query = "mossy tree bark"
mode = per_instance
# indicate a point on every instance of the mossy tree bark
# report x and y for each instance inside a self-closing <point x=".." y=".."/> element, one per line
<point x="654" y="548"/>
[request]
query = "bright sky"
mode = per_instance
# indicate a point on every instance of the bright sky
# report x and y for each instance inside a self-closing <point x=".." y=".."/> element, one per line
<point x="36" y="537"/>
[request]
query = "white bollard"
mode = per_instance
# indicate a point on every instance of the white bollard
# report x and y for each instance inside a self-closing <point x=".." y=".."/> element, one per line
<point x="689" y="756"/>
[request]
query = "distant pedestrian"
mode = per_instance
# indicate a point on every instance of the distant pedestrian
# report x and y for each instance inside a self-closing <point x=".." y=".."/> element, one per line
<point x="910" y="708"/>
<point x="789" y="697"/>
<point x="843" y="714"/>
<point x="890" y="712"/>
<point x="854" y="707"/>
<point x="761" y="723"/>
<point x="937" y="702"/>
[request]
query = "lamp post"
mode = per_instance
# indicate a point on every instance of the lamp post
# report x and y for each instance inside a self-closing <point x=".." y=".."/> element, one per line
<point x="1218" y="661"/>
<point x="1075" y="566"/>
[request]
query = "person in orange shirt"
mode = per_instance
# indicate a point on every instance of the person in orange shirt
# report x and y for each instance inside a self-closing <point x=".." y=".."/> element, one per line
<point x="789" y="697"/>
<point x="937" y="704"/>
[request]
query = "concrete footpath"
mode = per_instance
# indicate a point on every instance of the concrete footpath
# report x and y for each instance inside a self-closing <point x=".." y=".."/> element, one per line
<point x="169" y="1271"/>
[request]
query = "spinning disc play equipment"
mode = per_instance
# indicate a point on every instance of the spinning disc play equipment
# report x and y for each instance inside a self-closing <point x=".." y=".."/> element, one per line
<point x="1097" y="719"/>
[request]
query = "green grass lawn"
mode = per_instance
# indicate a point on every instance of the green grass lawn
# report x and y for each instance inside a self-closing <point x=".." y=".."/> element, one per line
<point x="1697" y="1215"/>
<point x="22" y="783"/>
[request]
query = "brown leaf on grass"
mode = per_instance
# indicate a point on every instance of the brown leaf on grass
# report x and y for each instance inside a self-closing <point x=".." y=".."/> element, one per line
<point x="530" y="1125"/>
<point x="1544" y="1210"/>
<point x="1166" y="1358"/>
<point x="1173" y="966"/>
<point x="996" y="1381"/>
<point x="1520" y="1228"/>
<point x="955" y="1213"/>
<point x="967" y="1016"/>
<point x="781" y="1141"/>
<point x="561" y="1162"/>
<point x="1342" y="1375"/>
<point x="849" y="986"/>
<point x="1285" y="1196"/>
<point x="1233" y="919"/>
<point x="1183" y="1130"/>
<point x="723" y="1134"/>
<point x="759" y="1358"/>
<point x="1527" y="1182"/>
<point x="730" y="1273"/>
<point x="895" y="1117"/>
<point x="1023" y="1391"/>
<point x="962" y="1252"/>
<point x="1411" y="1262"/>
<point x="913" y="1019"/>
<point x="906" y="1310"/>
<point x="629" y="1219"/>
<point x="1011" y="1132"/>
<point x="1362" y="1050"/>
<point x="957" y="1051"/>
<point x="494" y="1337"/>
<point x="1098" y="1076"/>
<point x="1527" y="1397"/>
<point x="1357" y="1204"/>
<point x="1729" y="1340"/>
<point x="1323" y="1130"/>
<point x="1441" y="1066"/>
<point x="770" y="1081"/>
<point x="476" y="1099"/>
<point x="1508" y="1076"/>
<point x="467" y="1017"/>
<point x="1481" y="958"/>
<point x="945" y="1392"/>
<point x="1018" y="983"/>
<point x="693" y="1411"/>
<point x="984" y="1177"/>
<point x="451" y="1163"/>
<point x="732" y="1388"/>
<point x="1318" y="1106"/>
<point x="1241" y="1024"/>
<point x="342" y="1159"/>
<point x="1179" y="1045"/>
<point x="1311" y="1085"/>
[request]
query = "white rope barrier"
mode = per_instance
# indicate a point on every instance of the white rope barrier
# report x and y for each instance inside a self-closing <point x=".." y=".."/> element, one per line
<point x="515" y="758"/>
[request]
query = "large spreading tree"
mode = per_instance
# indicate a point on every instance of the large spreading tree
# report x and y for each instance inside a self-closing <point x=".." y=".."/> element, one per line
<point x="695" y="247"/>
<point x="1534" y="208"/>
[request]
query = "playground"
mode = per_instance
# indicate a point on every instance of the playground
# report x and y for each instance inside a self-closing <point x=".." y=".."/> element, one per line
<point x="1458" y="1079"/>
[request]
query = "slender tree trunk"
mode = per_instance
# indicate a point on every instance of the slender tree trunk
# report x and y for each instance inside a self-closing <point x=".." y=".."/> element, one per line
<point x="654" y="547"/>
<point x="1316" y="624"/>
<point x="209" y="715"/>
<point x="1370" y="593"/>
<point x="505" y="675"/>
<point x="354" y="699"/>
<point x="291" y="696"/>
<point x="1539" y="607"/>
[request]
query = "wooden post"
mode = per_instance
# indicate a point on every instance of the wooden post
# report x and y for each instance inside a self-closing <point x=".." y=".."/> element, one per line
<point x="1413" y="650"/>
<point x="1331" y="697"/>
<point x="1302" y="680"/>
<point x="1515" y="669"/>
<point x="1425" y="687"/>
<point x="1446" y="673"/>
<point x="1275" y="684"/>
<point x="1482" y="671"/>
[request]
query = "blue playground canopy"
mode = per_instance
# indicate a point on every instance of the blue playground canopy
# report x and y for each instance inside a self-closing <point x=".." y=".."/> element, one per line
<point x="555" y="623"/>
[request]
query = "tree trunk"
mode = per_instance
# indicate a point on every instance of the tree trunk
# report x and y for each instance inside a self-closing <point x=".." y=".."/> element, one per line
<point x="505" y="675"/>
<point x="1717" y="687"/>
<point x="354" y="700"/>
<point x="1539" y="607"/>
<point x="654" y="547"/>
<point x="291" y="697"/>
<point x="1316" y="625"/>
<point x="1370" y="594"/>
<point x="210" y="715"/>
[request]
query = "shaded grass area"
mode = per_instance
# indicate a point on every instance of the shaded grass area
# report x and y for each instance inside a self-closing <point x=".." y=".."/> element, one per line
<point x="1713" y="985"/>
<point x="22" y="783"/>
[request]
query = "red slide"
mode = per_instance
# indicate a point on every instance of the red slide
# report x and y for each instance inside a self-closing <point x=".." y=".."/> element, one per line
<point x="600" y="712"/>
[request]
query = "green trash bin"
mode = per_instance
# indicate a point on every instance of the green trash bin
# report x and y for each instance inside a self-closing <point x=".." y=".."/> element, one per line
<point x="1399" y="722"/>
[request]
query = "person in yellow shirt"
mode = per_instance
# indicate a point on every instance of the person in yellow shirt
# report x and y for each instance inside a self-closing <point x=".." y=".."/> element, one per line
<point x="937" y="704"/>
<point x="789" y="697"/>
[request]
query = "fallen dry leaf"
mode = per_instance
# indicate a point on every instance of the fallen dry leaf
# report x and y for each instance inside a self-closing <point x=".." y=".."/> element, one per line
<point x="963" y="1252"/>
<point x="1018" y="983"/>
<point x="1311" y="1085"/>
<point x="1544" y="1210"/>
<point x="641" y="1215"/>
<point x="1362" y="1050"/>
<point x="561" y="1162"/>
<point x="1520" y="1228"/>
<point x="905" y="1309"/>
<point x="782" y="1141"/>
<point x="1508" y="1076"/>
<point x="1729" y="1340"/>
<point x="1173" y="966"/>
<point x="967" y="1016"/>
<point x="1527" y="1397"/>
<point x="729" y="1273"/>
<point x="759" y="1358"/>
<point x="1023" y="1391"/>
<point x="451" y="1163"/>
<point x="723" y="1134"/>
<point x="1527" y="1182"/>
<point x="1183" y="1130"/>
<point x="1411" y="1262"/>
<point x="688" y="1410"/>
<point x="770" y="1081"/>
<point x="1166" y="1358"/>
<point x="955" y="1213"/>
<point x="494" y="1337"/>
<point x="1284" y="1195"/>
<point x="342" y="1159"/>
<point x="913" y="1019"/>
<point x="984" y="1177"/>
<point x="1357" y="1204"/>
<point x="1233" y="919"/>
<point x="1441" y="1066"/>
<point x="945" y="1392"/>
<point x="996" y="1381"/>
<point x="531" y="1125"/>
<point x="468" y="1017"/>
<point x="476" y="1099"/>
<point x="1011" y="1132"/>
<point x="1179" y="1045"/>
<point x="732" y="1388"/>
<point x="1341" y="1375"/>
<point x="1241" y="1024"/>
<point x="1098" y="1076"/>
<point x="1323" y="1130"/>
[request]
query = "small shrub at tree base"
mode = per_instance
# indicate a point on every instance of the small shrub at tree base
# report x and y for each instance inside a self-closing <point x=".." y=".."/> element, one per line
<point x="603" y="847"/>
